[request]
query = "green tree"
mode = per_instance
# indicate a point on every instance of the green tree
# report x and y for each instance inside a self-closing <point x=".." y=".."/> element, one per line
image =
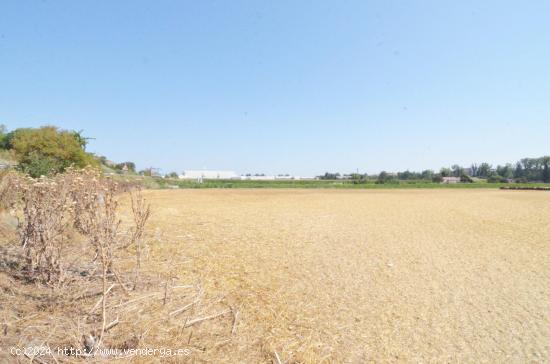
<point x="48" y="150"/>
<point x="384" y="177"/>
<point x="445" y="172"/>
<point x="546" y="169"/>
<point x="505" y="171"/>
<point x="427" y="174"/>
<point x="484" y="170"/>
<point x="406" y="175"/>
<point x="329" y="176"/>
<point x="82" y="140"/>
<point x="474" y="169"/>
<point x="457" y="170"/>
<point x="518" y="171"/>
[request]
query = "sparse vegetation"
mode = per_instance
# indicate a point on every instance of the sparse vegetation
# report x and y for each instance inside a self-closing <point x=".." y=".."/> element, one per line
<point x="74" y="247"/>
<point x="141" y="212"/>
<point x="44" y="231"/>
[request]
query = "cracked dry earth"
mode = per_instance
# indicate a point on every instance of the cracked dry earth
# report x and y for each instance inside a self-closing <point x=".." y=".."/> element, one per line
<point x="358" y="276"/>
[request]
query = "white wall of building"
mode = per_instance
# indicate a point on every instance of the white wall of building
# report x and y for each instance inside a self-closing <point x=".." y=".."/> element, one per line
<point x="208" y="174"/>
<point x="258" y="178"/>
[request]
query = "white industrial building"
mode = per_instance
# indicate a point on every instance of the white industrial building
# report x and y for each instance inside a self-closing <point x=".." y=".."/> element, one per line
<point x="208" y="174"/>
<point x="258" y="178"/>
<point x="274" y="178"/>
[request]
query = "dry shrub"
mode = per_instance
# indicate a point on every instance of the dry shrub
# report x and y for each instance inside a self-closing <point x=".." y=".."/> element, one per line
<point x="126" y="185"/>
<point x="46" y="207"/>
<point x="73" y="240"/>
<point x="10" y="200"/>
<point x="10" y="191"/>
<point x="141" y="212"/>
<point x="53" y="207"/>
<point x="95" y="212"/>
<point x="95" y="217"/>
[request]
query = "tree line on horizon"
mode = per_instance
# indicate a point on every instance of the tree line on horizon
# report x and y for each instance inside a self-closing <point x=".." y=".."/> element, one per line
<point x="49" y="150"/>
<point x="525" y="170"/>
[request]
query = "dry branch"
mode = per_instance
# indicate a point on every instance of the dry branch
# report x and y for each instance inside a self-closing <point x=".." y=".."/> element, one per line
<point x="101" y="299"/>
<point x="183" y="309"/>
<point x="111" y="325"/>
<point x="201" y="319"/>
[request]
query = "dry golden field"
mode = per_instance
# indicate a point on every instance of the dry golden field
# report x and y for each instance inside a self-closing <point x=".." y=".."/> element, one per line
<point x="365" y="276"/>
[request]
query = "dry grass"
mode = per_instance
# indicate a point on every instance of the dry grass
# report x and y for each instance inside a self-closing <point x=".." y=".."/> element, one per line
<point x="295" y="276"/>
<point x="70" y="281"/>
<point x="367" y="276"/>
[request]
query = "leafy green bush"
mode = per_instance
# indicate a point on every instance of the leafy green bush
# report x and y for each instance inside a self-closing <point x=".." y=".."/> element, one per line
<point x="384" y="177"/>
<point x="36" y="165"/>
<point x="48" y="150"/>
<point x="496" y="179"/>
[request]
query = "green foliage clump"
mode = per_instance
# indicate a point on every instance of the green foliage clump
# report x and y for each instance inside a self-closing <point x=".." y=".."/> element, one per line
<point x="48" y="150"/>
<point x="385" y="177"/>
<point x="35" y="165"/>
<point x="495" y="178"/>
<point x="446" y="172"/>
<point x="330" y="176"/>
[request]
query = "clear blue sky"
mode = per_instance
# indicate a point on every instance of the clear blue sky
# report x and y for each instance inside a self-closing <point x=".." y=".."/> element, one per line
<point x="283" y="86"/>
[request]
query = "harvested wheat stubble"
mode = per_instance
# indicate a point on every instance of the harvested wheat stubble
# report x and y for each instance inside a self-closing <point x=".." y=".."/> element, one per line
<point x="360" y="276"/>
<point x="161" y="313"/>
<point x="310" y="276"/>
<point x="77" y="285"/>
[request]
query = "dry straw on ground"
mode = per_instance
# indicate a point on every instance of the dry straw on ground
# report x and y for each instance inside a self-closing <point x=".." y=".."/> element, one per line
<point x="367" y="276"/>
<point x="69" y="278"/>
<point x="295" y="276"/>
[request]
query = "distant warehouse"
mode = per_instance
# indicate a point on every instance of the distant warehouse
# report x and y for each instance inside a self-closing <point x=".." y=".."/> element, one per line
<point x="449" y="180"/>
<point x="206" y="174"/>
